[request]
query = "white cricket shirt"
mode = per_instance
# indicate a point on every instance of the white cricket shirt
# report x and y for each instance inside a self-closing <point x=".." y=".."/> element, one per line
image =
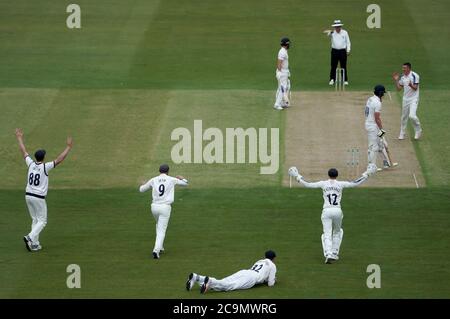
<point x="37" y="177"/>
<point x="340" y="40"/>
<point x="266" y="271"/>
<point x="283" y="56"/>
<point x="163" y="188"/>
<point x="408" y="92"/>
<point x="373" y="105"/>
<point x="332" y="189"/>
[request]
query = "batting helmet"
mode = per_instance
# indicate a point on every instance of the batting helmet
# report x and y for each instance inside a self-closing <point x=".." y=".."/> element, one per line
<point x="379" y="90"/>
<point x="285" y="42"/>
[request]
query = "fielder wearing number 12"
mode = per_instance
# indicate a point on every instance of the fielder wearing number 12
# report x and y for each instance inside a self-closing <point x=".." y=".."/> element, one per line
<point x="332" y="213"/>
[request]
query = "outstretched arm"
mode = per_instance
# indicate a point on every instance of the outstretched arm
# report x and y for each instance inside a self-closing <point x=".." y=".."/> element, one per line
<point x="145" y="186"/>
<point x="299" y="178"/>
<point x="182" y="181"/>
<point x="66" y="151"/>
<point x="355" y="183"/>
<point x="19" y="136"/>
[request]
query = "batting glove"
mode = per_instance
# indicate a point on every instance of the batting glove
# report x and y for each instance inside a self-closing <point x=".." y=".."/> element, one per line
<point x="293" y="171"/>
<point x="381" y="133"/>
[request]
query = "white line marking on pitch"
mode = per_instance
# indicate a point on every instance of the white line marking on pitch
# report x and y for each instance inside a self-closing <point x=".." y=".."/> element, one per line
<point x="415" y="180"/>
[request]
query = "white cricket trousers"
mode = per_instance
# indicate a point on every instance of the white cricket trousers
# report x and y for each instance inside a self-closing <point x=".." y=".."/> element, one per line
<point x="409" y="110"/>
<point x="161" y="212"/>
<point x="284" y="87"/>
<point x="332" y="231"/>
<point x="375" y="144"/>
<point x="37" y="207"/>
<point x="243" y="279"/>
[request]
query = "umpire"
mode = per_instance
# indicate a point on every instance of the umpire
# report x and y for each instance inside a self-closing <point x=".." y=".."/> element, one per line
<point x="340" y="49"/>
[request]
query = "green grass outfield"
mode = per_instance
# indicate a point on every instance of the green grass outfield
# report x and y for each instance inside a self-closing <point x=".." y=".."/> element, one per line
<point x="137" y="70"/>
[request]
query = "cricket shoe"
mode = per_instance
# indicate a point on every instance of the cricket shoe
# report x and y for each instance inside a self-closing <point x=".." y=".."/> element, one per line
<point x="205" y="286"/>
<point x="418" y="135"/>
<point x="277" y="107"/>
<point x="35" y="247"/>
<point x="331" y="82"/>
<point x="329" y="259"/>
<point x="191" y="281"/>
<point x="401" y="136"/>
<point x="346" y="83"/>
<point x="379" y="169"/>
<point x="28" y="242"/>
<point x="155" y="255"/>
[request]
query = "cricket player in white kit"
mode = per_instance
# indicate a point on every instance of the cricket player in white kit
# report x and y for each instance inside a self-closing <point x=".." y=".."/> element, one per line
<point x="409" y="82"/>
<point x="163" y="192"/>
<point x="282" y="74"/>
<point x="375" y="133"/>
<point x="37" y="188"/>
<point x="262" y="271"/>
<point x="332" y="212"/>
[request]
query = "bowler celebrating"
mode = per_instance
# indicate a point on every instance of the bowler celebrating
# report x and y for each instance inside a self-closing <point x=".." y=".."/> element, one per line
<point x="332" y="213"/>
<point x="409" y="82"/>
<point x="163" y="191"/>
<point x="282" y="74"/>
<point x="37" y="188"/>
<point x="262" y="271"/>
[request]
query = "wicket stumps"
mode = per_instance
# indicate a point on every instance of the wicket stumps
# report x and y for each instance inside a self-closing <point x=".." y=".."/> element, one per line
<point x="353" y="159"/>
<point x="340" y="79"/>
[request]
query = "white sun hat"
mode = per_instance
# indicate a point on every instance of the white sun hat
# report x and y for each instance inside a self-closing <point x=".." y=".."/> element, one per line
<point x="337" y="23"/>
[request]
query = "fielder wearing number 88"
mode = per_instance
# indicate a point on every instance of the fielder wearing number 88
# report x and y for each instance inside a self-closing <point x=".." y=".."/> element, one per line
<point x="37" y="188"/>
<point x="332" y="213"/>
<point x="163" y="193"/>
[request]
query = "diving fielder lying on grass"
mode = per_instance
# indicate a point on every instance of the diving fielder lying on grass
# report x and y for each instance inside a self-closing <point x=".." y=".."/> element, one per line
<point x="163" y="192"/>
<point x="332" y="213"/>
<point x="262" y="271"/>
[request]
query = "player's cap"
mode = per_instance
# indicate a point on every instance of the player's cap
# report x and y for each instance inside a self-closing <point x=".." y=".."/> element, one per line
<point x="379" y="90"/>
<point x="333" y="173"/>
<point x="285" y="41"/>
<point x="164" y="168"/>
<point x="39" y="155"/>
<point x="270" y="254"/>
<point x="337" y="23"/>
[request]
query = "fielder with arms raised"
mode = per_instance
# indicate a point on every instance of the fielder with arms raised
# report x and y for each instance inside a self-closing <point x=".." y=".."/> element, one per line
<point x="332" y="213"/>
<point x="163" y="193"/>
<point x="37" y="188"/>
<point x="262" y="271"/>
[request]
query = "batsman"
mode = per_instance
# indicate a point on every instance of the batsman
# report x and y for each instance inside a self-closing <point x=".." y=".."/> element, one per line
<point x="375" y="131"/>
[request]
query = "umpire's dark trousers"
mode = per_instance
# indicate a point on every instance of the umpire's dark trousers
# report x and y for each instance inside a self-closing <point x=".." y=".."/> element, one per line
<point x="341" y="57"/>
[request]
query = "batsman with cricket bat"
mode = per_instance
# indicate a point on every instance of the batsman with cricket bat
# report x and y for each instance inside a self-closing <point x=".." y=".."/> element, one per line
<point x="375" y="131"/>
